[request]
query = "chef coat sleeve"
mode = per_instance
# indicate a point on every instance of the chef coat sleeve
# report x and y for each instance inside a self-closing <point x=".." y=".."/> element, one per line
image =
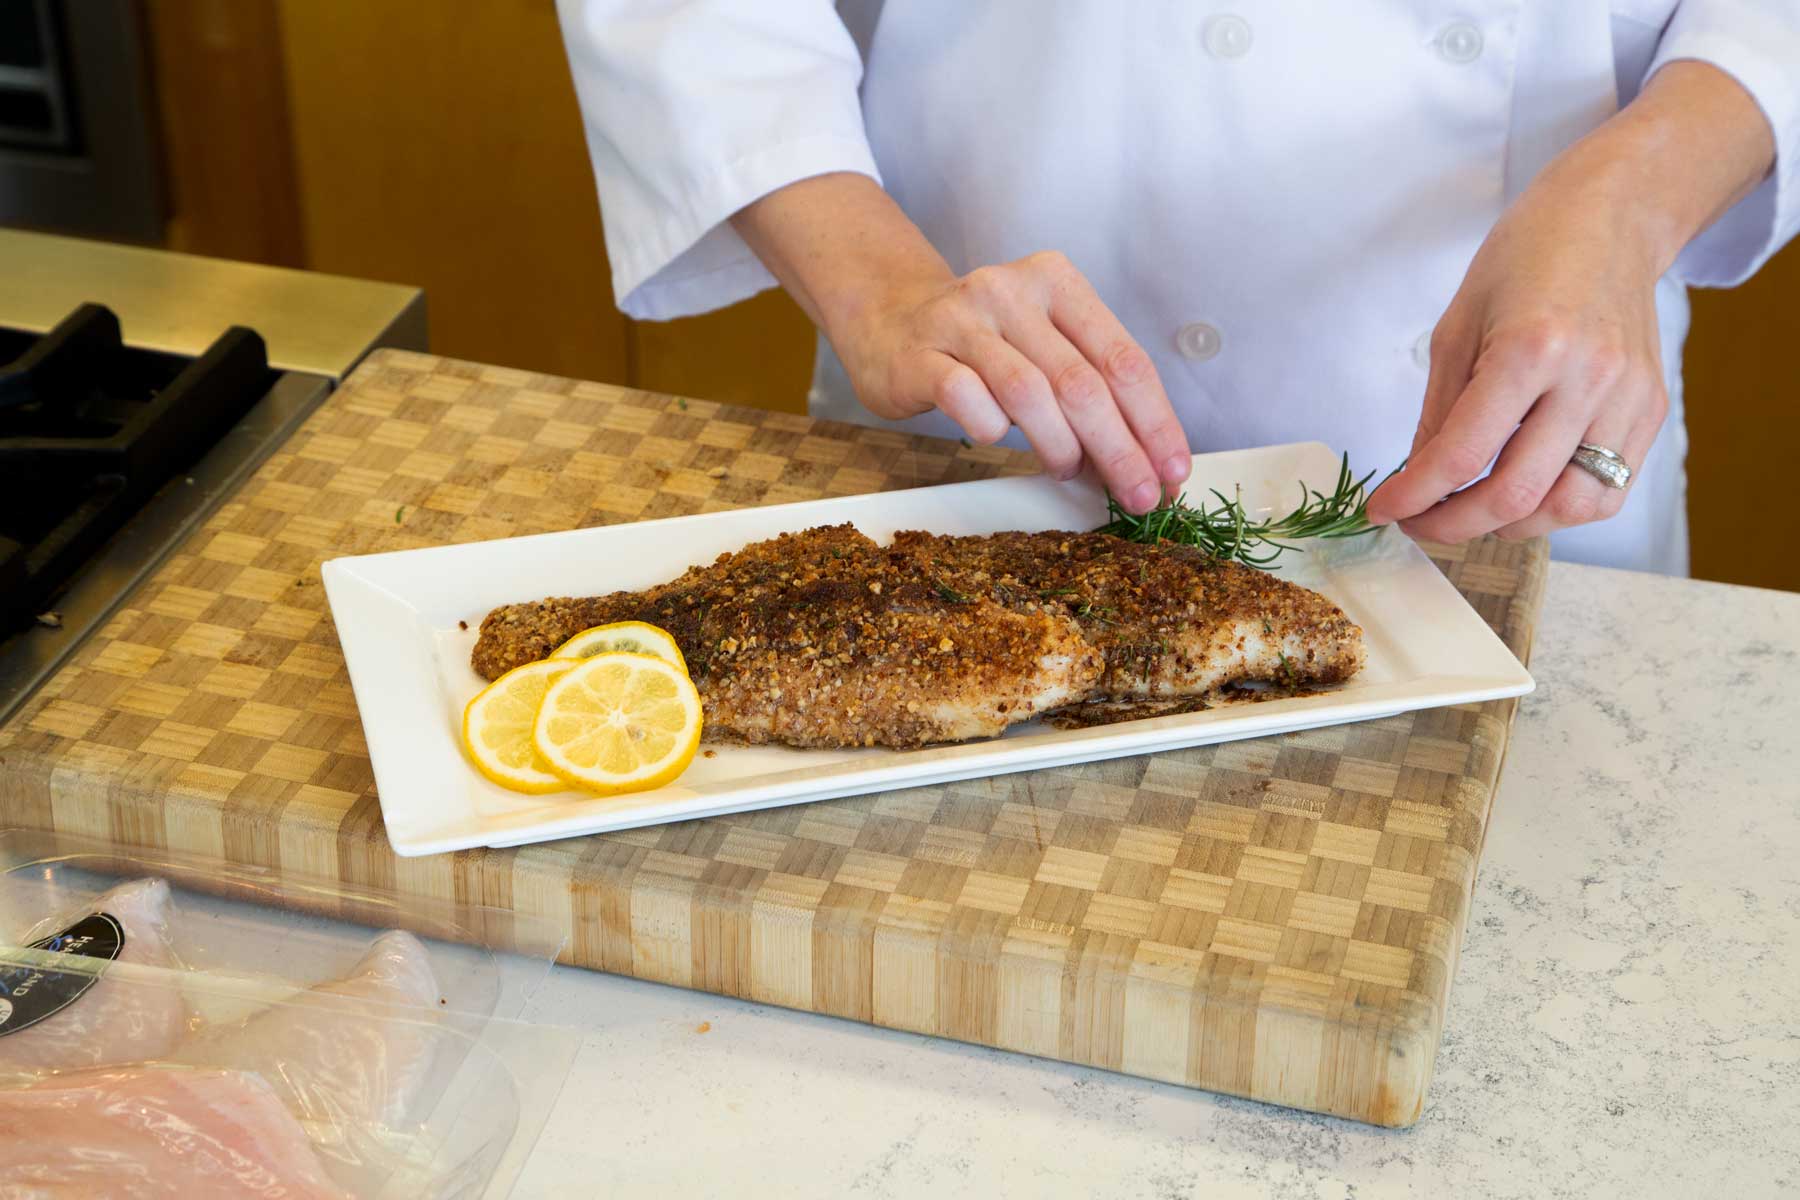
<point x="1756" y="42"/>
<point x="695" y="108"/>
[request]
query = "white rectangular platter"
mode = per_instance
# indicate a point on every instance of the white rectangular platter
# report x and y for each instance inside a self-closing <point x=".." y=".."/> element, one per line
<point x="398" y="617"/>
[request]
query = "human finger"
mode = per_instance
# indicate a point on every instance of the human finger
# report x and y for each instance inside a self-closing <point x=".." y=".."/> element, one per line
<point x="1525" y="470"/>
<point x="1077" y="311"/>
<point x="1024" y="395"/>
<point x="1578" y="498"/>
<point x="936" y="380"/>
<point x="1502" y="388"/>
<point x="1092" y="413"/>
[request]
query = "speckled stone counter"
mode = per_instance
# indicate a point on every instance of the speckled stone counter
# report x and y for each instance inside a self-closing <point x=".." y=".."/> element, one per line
<point x="1625" y="1019"/>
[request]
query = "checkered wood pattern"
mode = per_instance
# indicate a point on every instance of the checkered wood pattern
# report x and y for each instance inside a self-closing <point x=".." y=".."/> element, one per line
<point x="1276" y="918"/>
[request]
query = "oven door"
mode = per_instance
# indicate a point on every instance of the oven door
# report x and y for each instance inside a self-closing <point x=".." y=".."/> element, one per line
<point x="77" y="137"/>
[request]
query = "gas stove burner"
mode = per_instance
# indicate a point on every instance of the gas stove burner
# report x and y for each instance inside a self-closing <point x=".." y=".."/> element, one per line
<point x="90" y="430"/>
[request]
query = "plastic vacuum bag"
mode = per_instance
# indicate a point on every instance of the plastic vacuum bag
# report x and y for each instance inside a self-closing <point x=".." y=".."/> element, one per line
<point x="67" y="1020"/>
<point x="174" y="1027"/>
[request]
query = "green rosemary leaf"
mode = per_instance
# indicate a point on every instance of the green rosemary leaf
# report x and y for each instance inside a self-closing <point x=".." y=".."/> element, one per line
<point x="946" y="592"/>
<point x="1106" y="614"/>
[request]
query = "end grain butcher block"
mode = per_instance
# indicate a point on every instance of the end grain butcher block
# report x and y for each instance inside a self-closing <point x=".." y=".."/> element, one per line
<point x="1276" y="918"/>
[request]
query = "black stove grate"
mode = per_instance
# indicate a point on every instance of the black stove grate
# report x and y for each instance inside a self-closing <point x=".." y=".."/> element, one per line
<point x="90" y="429"/>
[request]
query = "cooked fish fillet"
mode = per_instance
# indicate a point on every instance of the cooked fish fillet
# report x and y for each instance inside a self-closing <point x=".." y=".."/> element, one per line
<point x="1171" y="620"/>
<point x="1091" y="713"/>
<point x="825" y="639"/>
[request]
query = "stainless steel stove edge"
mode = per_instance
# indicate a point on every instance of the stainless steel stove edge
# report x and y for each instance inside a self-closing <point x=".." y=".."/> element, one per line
<point x="178" y="303"/>
<point x="103" y="586"/>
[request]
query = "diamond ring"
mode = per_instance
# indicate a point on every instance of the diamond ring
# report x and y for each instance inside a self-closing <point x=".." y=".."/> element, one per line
<point x="1603" y="464"/>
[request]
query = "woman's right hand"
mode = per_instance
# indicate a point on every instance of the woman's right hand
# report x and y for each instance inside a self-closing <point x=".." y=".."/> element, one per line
<point x="1026" y="343"/>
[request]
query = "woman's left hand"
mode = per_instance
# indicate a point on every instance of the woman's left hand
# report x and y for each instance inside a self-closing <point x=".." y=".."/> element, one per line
<point x="1550" y="342"/>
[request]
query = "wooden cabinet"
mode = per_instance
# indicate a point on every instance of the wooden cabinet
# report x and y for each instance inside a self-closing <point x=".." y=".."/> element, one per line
<point x="227" y="147"/>
<point x="1742" y="371"/>
<point x="440" y="144"/>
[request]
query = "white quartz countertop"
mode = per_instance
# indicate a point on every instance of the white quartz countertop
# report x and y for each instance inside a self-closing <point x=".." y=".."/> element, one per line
<point x="1625" y="1020"/>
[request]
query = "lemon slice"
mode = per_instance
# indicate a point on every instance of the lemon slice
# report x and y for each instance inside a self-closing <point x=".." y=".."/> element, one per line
<point x="619" y="723"/>
<point x="623" y="637"/>
<point x="497" y="728"/>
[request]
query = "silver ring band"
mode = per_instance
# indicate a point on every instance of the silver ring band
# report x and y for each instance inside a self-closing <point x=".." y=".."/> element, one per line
<point x="1602" y="464"/>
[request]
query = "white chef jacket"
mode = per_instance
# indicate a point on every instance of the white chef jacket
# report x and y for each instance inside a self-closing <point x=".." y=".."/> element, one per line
<point x="1277" y="198"/>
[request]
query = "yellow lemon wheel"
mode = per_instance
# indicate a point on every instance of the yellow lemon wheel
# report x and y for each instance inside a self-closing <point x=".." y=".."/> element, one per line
<point x="619" y="723"/>
<point x="497" y="726"/>
<point x="623" y="637"/>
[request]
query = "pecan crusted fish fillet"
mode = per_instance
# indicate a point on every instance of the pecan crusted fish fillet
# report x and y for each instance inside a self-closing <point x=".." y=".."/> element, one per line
<point x="1172" y="620"/>
<point x="825" y="639"/>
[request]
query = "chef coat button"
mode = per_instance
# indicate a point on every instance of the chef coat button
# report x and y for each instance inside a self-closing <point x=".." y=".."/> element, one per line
<point x="1459" y="43"/>
<point x="1198" y="341"/>
<point x="1422" y="350"/>
<point x="1226" y="36"/>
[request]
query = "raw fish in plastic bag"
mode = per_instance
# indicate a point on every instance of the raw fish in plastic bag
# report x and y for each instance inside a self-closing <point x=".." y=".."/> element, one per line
<point x="137" y="1133"/>
<point x="107" y="1013"/>
<point x="322" y="1059"/>
<point x="328" y="1051"/>
<point x="350" y="1057"/>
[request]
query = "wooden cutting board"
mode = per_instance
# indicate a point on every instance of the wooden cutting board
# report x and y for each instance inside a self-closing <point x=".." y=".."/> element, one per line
<point x="1276" y="918"/>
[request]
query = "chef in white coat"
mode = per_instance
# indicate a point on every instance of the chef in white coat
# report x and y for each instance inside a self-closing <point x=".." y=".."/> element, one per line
<point x="1456" y="233"/>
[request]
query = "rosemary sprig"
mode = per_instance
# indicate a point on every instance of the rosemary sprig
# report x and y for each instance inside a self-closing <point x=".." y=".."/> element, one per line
<point x="1228" y="533"/>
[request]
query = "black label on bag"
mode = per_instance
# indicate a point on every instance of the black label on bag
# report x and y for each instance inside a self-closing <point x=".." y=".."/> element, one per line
<point x="28" y="994"/>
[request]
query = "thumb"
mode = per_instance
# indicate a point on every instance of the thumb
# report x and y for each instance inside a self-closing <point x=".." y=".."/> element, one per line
<point x="1452" y="364"/>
